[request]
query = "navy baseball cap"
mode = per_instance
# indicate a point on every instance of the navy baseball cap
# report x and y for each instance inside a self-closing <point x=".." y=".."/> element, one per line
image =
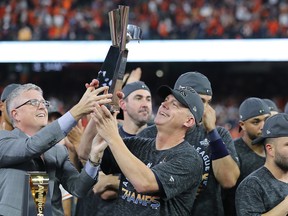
<point x="196" y="80"/>
<point x="271" y="104"/>
<point x="7" y="90"/>
<point x="187" y="97"/>
<point x="133" y="86"/>
<point x="252" y="107"/>
<point x="275" y="126"/>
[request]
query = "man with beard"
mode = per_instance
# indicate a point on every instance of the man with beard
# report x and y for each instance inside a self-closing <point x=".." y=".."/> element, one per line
<point x="137" y="110"/>
<point x="265" y="191"/>
<point x="252" y="114"/>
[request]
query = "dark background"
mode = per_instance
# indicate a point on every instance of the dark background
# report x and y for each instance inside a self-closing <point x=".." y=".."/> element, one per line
<point x="231" y="81"/>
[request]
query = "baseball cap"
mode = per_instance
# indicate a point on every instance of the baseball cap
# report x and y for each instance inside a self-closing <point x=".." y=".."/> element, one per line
<point x="286" y="108"/>
<point x="133" y="86"/>
<point x="196" y="80"/>
<point x="252" y="107"/>
<point x="187" y="97"/>
<point x="7" y="90"/>
<point x="272" y="106"/>
<point x="274" y="126"/>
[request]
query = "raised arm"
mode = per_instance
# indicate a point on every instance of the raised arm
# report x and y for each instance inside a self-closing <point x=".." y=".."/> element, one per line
<point x="221" y="159"/>
<point x="142" y="178"/>
<point x="85" y="143"/>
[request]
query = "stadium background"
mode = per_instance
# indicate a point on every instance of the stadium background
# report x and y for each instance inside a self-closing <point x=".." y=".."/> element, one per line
<point x="54" y="20"/>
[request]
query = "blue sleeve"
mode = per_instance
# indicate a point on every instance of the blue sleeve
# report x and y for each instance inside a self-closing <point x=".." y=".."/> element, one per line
<point x="67" y="122"/>
<point x="91" y="170"/>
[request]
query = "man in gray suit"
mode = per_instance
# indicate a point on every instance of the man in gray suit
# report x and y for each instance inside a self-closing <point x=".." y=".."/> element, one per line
<point x="33" y="139"/>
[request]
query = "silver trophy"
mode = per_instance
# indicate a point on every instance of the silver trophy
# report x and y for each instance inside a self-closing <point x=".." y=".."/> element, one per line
<point x="113" y="68"/>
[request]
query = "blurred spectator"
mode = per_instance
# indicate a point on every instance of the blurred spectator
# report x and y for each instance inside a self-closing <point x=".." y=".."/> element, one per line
<point x="184" y="19"/>
<point x="286" y="108"/>
<point x="5" y="122"/>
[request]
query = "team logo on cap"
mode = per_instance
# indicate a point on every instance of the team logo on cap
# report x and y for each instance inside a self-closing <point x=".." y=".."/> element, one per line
<point x="261" y="111"/>
<point x="195" y="109"/>
<point x="268" y="132"/>
<point x="181" y="87"/>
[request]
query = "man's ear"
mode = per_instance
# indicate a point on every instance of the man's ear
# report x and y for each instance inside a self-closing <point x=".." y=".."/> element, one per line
<point x="122" y="104"/>
<point x="269" y="149"/>
<point x="242" y="125"/>
<point x="190" y="122"/>
<point x="14" y="115"/>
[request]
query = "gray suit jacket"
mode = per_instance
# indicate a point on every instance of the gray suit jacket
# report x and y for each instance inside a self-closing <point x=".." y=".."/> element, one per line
<point x="16" y="152"/>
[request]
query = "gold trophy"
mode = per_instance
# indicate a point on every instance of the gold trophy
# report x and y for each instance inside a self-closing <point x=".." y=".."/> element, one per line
<point x="39" y="182"/>
<point x="113" y="68"/>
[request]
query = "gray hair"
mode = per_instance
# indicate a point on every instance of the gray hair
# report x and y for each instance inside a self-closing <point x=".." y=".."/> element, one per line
<point x="12" y="99"/>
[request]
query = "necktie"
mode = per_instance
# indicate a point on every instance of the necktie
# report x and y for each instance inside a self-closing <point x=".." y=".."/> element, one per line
<point x="38" y="164"/>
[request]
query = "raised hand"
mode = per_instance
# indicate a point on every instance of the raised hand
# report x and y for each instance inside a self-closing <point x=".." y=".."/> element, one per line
<point x="89" y="100"/>
<point x="97" y="148"/>
<point x="135" y="75"/>
<point x="106" y="123"/>
<point x="75" y="135"/>
<point x="209" y="118"/>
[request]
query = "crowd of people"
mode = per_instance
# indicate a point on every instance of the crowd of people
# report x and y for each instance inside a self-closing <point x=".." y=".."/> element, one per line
<point x="180" y="163"/>
<point x="158" y="19"/>
<point x="189" y="157"/>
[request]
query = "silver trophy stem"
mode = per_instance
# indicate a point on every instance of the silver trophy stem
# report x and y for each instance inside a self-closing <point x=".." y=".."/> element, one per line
<point x="124" y="12"/>
<point x="115" y="26"/>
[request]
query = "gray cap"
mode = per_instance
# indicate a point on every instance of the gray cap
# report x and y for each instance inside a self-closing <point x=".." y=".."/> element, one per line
<point x="196" y="80"/>
<point x="131" y="87"/>
<point x="274" y="126"/>
<point x="252" y="107"/>
<point x="7" y="90"/>
<point x="271" y="104"/>
<point x="286" y="108"/>
<point x="187" y="97"/>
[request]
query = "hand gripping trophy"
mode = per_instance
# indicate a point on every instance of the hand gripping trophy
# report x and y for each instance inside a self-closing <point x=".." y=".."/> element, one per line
<point x="113" y="68"/>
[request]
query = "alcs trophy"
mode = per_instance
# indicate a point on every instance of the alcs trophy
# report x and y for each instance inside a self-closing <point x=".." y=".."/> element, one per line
<point x="35" y="194"/>
<point x="113" y="69"/>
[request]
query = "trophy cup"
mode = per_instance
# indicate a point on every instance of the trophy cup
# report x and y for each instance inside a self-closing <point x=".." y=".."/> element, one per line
<point x="38" y="185"/>
<point x="113" y="68"/>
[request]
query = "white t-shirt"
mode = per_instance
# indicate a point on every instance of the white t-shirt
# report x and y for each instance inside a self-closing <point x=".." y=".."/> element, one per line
<point x="65" y="194"/>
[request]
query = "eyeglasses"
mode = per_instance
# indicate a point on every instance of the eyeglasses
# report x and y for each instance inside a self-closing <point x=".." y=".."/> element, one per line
<point x="35" y="103"/>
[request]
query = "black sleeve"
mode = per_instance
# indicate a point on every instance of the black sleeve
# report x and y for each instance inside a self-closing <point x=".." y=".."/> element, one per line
<point x="109" y="164"/>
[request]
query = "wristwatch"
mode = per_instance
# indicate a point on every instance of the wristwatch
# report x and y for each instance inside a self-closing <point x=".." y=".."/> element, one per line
<point x="95" y="164"/>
